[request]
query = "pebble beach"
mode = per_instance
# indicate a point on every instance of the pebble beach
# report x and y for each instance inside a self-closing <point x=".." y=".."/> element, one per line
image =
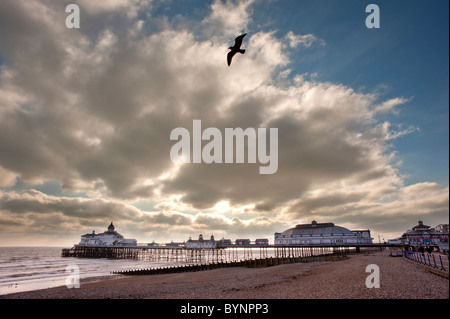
<point x="345" y="279"/>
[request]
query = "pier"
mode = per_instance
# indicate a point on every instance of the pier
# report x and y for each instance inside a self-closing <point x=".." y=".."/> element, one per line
<point x="194" y="259"/>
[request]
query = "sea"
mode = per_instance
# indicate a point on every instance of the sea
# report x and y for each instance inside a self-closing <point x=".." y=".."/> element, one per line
<point x="33" y="268"/>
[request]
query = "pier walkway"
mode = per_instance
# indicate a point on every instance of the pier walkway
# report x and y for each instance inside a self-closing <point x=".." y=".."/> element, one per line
<point x="213" y="255"/>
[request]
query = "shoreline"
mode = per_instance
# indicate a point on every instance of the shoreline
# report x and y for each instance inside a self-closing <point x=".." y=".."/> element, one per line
<point x="345" y="279"/>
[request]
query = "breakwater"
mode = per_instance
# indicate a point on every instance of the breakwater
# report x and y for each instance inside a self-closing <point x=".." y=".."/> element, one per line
<point x="250" y="263"/>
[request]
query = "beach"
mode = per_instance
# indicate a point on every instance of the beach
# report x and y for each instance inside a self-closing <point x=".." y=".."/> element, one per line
<point x="345" y="279"/>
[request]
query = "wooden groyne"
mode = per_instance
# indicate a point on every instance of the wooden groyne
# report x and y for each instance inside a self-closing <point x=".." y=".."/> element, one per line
<point x="250" y="263"/>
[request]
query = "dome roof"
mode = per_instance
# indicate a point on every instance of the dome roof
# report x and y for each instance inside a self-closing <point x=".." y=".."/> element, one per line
<point x="420" y="226"/>
<point x="111" y="228"/>
<point x="316" y="229"/>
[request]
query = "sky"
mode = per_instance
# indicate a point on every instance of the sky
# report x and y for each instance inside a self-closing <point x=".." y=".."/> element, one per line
<point x="86" y="116"/>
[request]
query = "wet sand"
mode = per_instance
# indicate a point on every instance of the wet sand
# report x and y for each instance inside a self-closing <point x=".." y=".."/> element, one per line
<point x="346" y="279"/>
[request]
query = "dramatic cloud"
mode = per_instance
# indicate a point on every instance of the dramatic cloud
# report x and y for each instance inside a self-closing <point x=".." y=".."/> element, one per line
<point x="227" y="19"/>
<point x="93" y="108"/>
<point x="306" y="40"/>
<point x="130" y="6"/>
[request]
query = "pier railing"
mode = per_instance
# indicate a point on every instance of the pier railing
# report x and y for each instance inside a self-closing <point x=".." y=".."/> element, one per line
<point x="436" y="262"/>
<point x="198" y="255"/>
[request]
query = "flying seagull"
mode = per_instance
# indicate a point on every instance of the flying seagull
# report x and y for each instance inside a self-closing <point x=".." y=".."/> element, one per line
<point x="236" y="48"/>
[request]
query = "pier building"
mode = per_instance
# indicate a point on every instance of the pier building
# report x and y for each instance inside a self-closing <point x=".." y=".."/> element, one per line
<point x="423" y="235"/>
<point x="322" y="234"/>
<point x="242" y="242"/>
<point x="262" y="242"/>
<point x="225" y="242"/>
<point x="201" y="243"/>
<point x="108" y="238"/>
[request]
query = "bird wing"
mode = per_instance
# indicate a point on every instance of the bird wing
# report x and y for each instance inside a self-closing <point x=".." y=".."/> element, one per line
<point x="230" y="56"/>
<point x="238" y="41"/>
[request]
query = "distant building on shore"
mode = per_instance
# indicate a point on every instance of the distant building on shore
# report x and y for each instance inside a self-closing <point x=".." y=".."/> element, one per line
<point x="322" y="234"/>
<point x="441" y="228"/>
<point x="422" y="235"/>
<point x="108" y="238"/>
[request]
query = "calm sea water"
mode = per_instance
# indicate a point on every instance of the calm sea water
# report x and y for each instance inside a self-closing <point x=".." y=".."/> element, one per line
<point x="32" y="268"/>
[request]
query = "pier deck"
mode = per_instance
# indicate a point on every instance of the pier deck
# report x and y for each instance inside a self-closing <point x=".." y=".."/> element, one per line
<point x="211" y="255"/>
<point x="196" y="259"/>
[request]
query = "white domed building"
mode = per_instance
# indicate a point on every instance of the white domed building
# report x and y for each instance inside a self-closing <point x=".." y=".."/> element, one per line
<point x="322" y="234"/>
<point x="107" y="238"/>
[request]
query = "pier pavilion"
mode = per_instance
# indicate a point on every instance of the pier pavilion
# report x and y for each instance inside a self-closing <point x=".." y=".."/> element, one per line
<point x="321" y="234"/>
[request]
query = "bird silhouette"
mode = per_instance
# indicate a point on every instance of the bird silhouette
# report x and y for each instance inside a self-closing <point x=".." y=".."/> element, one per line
<point x="236" y="48"/>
